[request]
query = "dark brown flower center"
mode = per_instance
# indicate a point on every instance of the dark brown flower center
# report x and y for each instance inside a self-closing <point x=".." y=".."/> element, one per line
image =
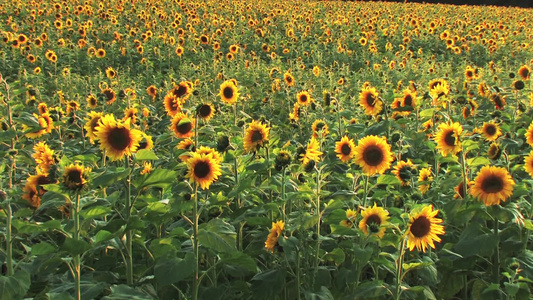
<point x="370" y="100"/>
<point x="373" y="223"/>
<point x="303" y="98"/>
<point x="449" y="138"/>
<point x="205" y="111"/>
<point x="228" y="92"/>
<point x="119" y="138"/>
<point x="288" y="79"/>
<point x="180" y="91"/>
<point x="490" y="130"/>
<point x="74" y="177"/>
<point x="184" y="127"/>
<point x="408" y="100"/>
<point x="257" y="136"/>
<point x="346" y="149"/>
<point x="420" y="227"/>
<point x="373" y="155"/>
<point x="497" y="101"/>
<point x="109" y="95"/>
<point x="202" y="169"/>
<point x="492" y="184"/>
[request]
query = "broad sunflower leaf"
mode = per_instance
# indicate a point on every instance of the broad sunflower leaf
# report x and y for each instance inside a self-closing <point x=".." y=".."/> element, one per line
<point x="160" y="178"/>
<point x="145" y="154"/>
<point x="120" y="292"/>
<point x="16" y="286"/>
<point x="109" y="176"/>
<point x="170" y="270"/>
<point x="218" y="236"/>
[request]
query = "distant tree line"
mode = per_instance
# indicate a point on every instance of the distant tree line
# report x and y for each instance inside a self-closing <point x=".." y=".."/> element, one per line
<point x="518" y="3"/>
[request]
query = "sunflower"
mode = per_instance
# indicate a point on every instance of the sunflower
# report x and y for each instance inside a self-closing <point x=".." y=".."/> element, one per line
<point x="320" y="126"/>
<point x="491" y="131"/>
<point x="31" y="195"/>
<point x="424" y="228"/>
<point x="116" y="137"/>
<point x="373" y="155"/>
<point x="374" y="221"/>
<point x="447" y="138"/>
<point x="204" y="169"/>
<point x="186" y="144"/>
<point x="289" y="79"/>
<point x="528" y="164"/>
<point x="273" y="236"/>
<point x="403" y="171"/>
<point x="492" y="185"/>
<point x="255" y="136"/>
<point x="146" y="142"/>
<point x="151" y="91"/>
<point x="131" y="113"/>
<point x="182" y="91"/>
<point x="72" y="107"/>
<point x="345" y="149"/>
<point x="110" y="73"/>
<point x="147" y="168"/>
<point x="304" y="98"/>
<point x="316" y="71"/>
<point x="36" y="182"/>
<point x="524" y="72"/>
<point x="205" y="111"/>
<point x="350" y="218"/>
<point x="49" y="122"/>
<point x="312" y="153"/>
<point x="228" y="92"/>
<point x="368" y="99"/>
<point x="38" y="131"/>
<point x="75" y="176"/>
<point x="42" y="108"/>
<point x="91" y="124"/>
<point x="91" y="101"/>
<point x="295" y="114"/>
<point x="210" y="151"/>
<point x="109" y="95"/>
<point x="498" y="100"/>
<point x="424" y="180"/>
<point x="529" y="135"/>
<point x="182" y="125"/>
<point x="494" y="151"/>
<point x="172" y="104"/>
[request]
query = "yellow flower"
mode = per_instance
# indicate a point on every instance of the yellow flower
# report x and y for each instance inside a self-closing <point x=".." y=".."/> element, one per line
<point x="116" y="137"/>
<point x="424" y="229"/>
<point x="204" y="169"/>
<point x="345" y="149"/>
<point x="447" y="138"/>
<point x="373" y="155"/>
<point x="374" y="221"/>
<point x="492" y="185"/>
<point x="273" y="236"/>
<point x="255" y="136"/>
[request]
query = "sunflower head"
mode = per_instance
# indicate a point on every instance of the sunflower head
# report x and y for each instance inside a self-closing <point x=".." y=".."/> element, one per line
<point x="304" y="98"/>
<point x="498" y="100"/>
<point x="255" y="136"/>
<point x="228" y="92"/>
<point x="491" y="131"/>
<point x="320" y="128"/>
<point x="312" y="153"/>
<point x="116" y="137"/>
<point x="524" y="72"/>
<point x="404" y="171"/>
<point x="424" y="229"/>
<point x="529" y="135"/>
<point x="368" y="99"/>
<point x="374" y="220"/>
<point x="528" y="164"/>
<point x="373" y="155"/>
<point x="203" y="169"/>
<point x="92" y="121"/>
<point x="350" y="218"/>
<point x="492" y="185"/>
<point x="182" y="125"/>
<point x="345" y="149"/>
<point x="205" y="111"/>
<point x="448" y="138"/>
<point x="273" y="236"/>
<point x="289" y="79"/>
<point x="424" y="180"/>
<point x="172" y="104"/>
<point x="282" y="160"/>
<point x="75" y="176"/>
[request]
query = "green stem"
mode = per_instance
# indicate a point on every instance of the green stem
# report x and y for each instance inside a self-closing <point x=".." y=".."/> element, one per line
<point x="318" y="221"/>
<point x="129" y="233"/>
<point x="365" y="192"/>
<point x="195" y="243"/>
<point x="399" y="270"/>
<point x="496" y="265"/>
<point x="9" y="245"/>
<point x="77" y="259"/>
<point x="465" y="180"/>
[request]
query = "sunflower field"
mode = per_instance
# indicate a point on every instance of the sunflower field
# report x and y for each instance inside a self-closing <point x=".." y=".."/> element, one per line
<point x="181" y="149"/>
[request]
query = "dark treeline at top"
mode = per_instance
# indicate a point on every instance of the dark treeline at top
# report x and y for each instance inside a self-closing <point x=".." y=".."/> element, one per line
<point x="519" y="3"/>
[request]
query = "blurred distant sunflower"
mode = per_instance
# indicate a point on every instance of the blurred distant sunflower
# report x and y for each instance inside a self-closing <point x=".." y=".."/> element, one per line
<point x="320" y="128"/>
<point x="289" y="79"/>
<point x="110" y="73"/>
<point x="374" y="221"/>
<point x="448" y="138"/>
<point x="368" y="99"/>
<point x="131" y="113"/>
<point x="151" y="91"/>
<point x="91" y="101"/>
<point x="404" y="171"/>
<point x="312" y="153"/>
<point x="524" y="72"/>
<point x="529" y="135"/>
<point x="116" y="137"/>
<point x="528" y="164"/>
<point x="491" y="131"/>
<point x="492" y="185"/>
<point x="91" y="124"/>
<point x="424" y="229"/>
<point x="255" y="136"/>
<point x="498" y="100"/>
<point x="460" y="191"/>
<point x="304" y="98"/>
<point x="273" y="236"/>
<point x="205" y="111"/>
<point x="110" y="95"/>
<point x="373" y="155"/>
<point x="75" y="176"/>
<point x="228" y="92"/>
<point x="182" y="125"/>
<point x="350" y="218"/>
<point x="172" y="104"/>
<point x="424" y="180"/>
<point x="345" y="149"/>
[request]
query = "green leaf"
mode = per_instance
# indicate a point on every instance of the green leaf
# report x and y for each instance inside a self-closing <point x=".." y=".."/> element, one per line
<point x="59" y="296"/>
<point x="75" y="247"/>
<point x="427" y="113"/>
<point x="122" y="292"/>
<point x="415" y="266"/>
<point x="388" y="179"/>
<point x="268" y="284"/>
<point x="42" y="248"/>
<point x="450" y="285"/>
<point x="102" y="235"/>
<point x="238" y="263"/>
<point x="477" y="161"/>
<point x="323" y="294"/>
<point x="218" y="236"/>
<point x="169" y="270"/>
<point x="336" y="255"/>
<point x="110" y="176"/>
<point x="370" y="289"/>
<point x="90" y="158"/>
<point x="474" y="241"/>
<point x="161" y="178"/>
<point x="94" y="212"/>
<point x="145" y="154"/>
<point x="16" y="286"/>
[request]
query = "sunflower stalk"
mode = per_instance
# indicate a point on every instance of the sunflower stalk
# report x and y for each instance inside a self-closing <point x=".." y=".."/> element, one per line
<point x="196" y="280"/>
<point x="129" y="233"/>
<point x="496" y="263"/>
<point x="365" y="191"/>
<point x="399" y="269"/>
<point x="77" y="259"/>
<point x="319" y="214"/>
<point x="3" y="195"/>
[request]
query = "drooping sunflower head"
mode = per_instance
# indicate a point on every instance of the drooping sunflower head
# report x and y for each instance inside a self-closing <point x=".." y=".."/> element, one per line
<point x="312" y="153"/>
<point x="491" y="131"/>
<point x="273" y="236"/>
<point x="492" y="185"/>
<point x="228" y="92"/>
<point x="404" y="171"/>
<point x="494" y="151"/>
<point x="350" y="218"/>
<point x="368" y="99"/>
<point x="345" y="149"/>
<point x="109" y="95"/>
<point x="282" y="160"/>
<point x="116" y="137"/>
<point x="448" y="138"/>
<point x="91" y="101"/>
<point x="304" y="98"/>
<point x="373" y="155"/>
<point x="424" y="229"/>
<point x="205" y="111"/>
<point x="255" y="136"/>
<point x="374" y="220"/>
<point x="75" y="176"/>
<point x="152" y="91"/>
<point x="182" y="125"/>
<point x="172" y="104"/>
<point x="203" y="169"/>
<point x="320" y="128"/>
<point x="131" y="113"/>
<point x="460" y="190"/>
<point x="529" y="135"/>
<point x="424" y="180"/>
<point x="498" y="100"/>
<point x="92" y="121"/>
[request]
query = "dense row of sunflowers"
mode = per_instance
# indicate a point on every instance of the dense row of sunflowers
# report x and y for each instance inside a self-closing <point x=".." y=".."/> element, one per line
<point x="287" y="150"/>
